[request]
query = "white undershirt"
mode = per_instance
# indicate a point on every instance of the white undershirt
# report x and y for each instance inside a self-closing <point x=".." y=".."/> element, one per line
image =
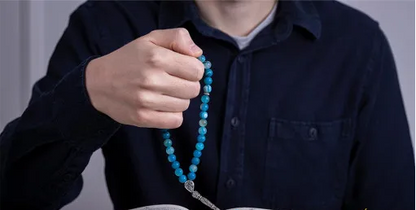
<point x="244" y="41"/>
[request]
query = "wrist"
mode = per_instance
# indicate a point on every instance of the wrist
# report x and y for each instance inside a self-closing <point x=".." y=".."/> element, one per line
<point x="94" y="83"/>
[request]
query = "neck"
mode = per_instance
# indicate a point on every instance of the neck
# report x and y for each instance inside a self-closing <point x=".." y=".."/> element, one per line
<point x="234" y="17"/>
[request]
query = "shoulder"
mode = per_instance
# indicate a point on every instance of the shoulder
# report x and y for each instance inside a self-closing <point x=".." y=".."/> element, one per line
<point x="116" y="6"/>
<point x="342" y="21"/>
<point x="354" y="36"/>
<point x="118" y="22"/>
<point x="353" y="31"/>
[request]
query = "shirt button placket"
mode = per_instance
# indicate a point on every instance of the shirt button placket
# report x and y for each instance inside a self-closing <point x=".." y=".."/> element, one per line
<point x="226" y="181"/>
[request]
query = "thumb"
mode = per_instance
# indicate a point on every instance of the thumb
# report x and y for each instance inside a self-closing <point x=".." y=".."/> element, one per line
<point x="178" y="40"/>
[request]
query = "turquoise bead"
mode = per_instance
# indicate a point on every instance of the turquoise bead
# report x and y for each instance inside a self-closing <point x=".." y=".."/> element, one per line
<point x="203" y="123"/>
<point x="202" y="130"/>
<point x="202" y="58"/>
<point x="191" y="176"/>
<point x="199" y="146"/>
<point x="166" y="135"/>
<point x="195" y="161"/>
<point x="175" y="165"/>
<point x="197" y="153"/>
<point x="208" y="80"/>
<point x="204" y="107"/>
<point x="207" y="88"/>
<point x="178" y="172"/>
<point x="205" y="99"/>
<point x="182" y="179"/>
<point x="207" y="64"/>
<point x="170" y="150"/>
<point x="201" y="138"/>
<point x="171" y="158"/>
<point x="167" y="143"/>
<point x="209" y="72"/>
<point x="203" y="115"/>
<point x="193" y="168"/>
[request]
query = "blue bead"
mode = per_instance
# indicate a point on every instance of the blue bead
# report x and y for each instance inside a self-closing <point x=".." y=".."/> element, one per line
<point x="209" y="72"/>
<point x="199" y="146"/>
<point x="164" y="130"/>
<point x="178" y="172"/>
<point x="171" y="158"/>
<point x="182" y="179"/>
<point x="175" y="165"/>
<point x="195" y="161"/>
<point x="202" y="130"/>
<point x="193" y="168"/>
<point x="207" y="88"/>
<point x="197" y="153"/>
<point x="203" y="123"/>
<point x="201" y="138"/>
<point x="202" y="58"/>
<point x="204" y="107"/>
<point x="205" y="99"/>
<point x="191" y="176"/>
<point x="170" y="150"/>
<point x="207" y="64"/>
<point x="203" y="115"/>
<point x="167" y="143"/>
<point x="166" y="135"/>
<point x="208" y="80"/>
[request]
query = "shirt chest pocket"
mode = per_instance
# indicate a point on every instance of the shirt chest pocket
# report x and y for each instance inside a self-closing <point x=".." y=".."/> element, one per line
<point x="306" y="163"/>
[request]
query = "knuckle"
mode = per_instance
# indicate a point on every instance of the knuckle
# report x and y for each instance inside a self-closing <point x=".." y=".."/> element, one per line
<point x="196" y="88"/>
<point x="149" y="81"/>
<point x="182" y="32"/>
<point x="155" y="57"/>
<point x="186" y="105"/>
<point x="143" y="99"/>
<point x="152" y="33"/>
<point x="140" y="116"/>
<point x="177" y="120"/>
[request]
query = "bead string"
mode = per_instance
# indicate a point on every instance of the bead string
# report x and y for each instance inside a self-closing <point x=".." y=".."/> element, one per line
<point x="203" y="122"/>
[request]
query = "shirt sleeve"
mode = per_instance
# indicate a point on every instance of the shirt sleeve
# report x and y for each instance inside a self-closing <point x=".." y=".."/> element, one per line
<point x="381" y="174"/>
<point x="45" y="150"/>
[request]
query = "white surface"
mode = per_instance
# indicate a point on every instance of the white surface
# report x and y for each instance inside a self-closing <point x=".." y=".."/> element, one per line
<point x="23" y="62"/>
<point x="176" y="207"/>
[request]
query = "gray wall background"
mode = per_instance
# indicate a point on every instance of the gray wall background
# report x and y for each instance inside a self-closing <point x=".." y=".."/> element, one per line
<point x="29" y="31"/>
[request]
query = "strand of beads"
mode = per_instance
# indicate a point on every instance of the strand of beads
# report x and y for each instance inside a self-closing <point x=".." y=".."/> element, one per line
<point x="202" y="131"/>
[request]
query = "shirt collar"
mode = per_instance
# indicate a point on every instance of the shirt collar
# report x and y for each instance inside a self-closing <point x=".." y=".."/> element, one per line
<point x="301" y="13"/>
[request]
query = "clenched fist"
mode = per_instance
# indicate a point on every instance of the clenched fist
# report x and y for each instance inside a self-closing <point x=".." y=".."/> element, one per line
<point x="148" y="82"/>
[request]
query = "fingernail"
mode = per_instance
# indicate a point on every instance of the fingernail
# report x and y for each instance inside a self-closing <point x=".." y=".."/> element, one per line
<point x="195" y="49"/>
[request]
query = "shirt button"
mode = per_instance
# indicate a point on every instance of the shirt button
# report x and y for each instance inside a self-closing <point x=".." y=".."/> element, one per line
<point x="235" y="122"/>
<point x="240" y="59"/>
<point x="313" y="133"/>
<point x="230" y="183"/>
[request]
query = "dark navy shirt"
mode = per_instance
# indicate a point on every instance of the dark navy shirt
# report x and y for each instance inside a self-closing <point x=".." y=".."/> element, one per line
<point x="308" y="117"/>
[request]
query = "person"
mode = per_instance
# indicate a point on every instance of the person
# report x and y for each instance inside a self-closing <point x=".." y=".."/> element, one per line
<point x="305" y="110"/>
